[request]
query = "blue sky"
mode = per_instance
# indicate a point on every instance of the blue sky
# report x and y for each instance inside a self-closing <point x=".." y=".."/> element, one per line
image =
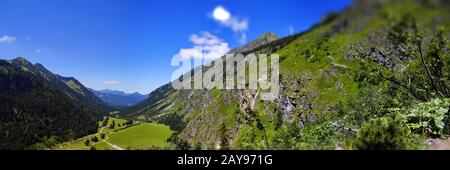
<point x="128" y="45"/>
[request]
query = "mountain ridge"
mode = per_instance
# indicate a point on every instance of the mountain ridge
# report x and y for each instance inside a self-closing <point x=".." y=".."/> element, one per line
<point x="72" y="87"/>
<point x="119" y="99"/>
<point x="261" y="40"/>
<point x="36" y="112"/>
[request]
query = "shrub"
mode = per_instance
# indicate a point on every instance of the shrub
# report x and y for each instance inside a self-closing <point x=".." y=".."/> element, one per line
<point x="428" y="118"/>
<point x="314" y="136"/>
<point x="87" y="142"/>
<point x="94" y="139"/>
<point x="384" y="133"/>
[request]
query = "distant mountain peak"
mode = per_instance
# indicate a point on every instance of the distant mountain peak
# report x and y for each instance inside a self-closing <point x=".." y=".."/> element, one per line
<point x="119" y="99"/>
<point x="136" y="93"/>
<point x="261" y="40"/>
<point x="115" y="92"/>
<point x="21" y="59"/>
<point x="22" y="62"/>
<point x="41" y="68"/>
<point x="267" y="37"/>
<point x="39" y="65"/>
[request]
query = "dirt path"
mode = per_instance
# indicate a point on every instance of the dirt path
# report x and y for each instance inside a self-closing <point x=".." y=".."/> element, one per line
<point x="438" y="144"/>
<point x="110" y="144"/>
<point x="114" y="146"/>
<point x="101" y="130"/>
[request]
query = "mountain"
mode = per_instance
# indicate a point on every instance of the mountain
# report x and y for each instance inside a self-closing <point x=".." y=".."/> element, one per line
<point x="39" y="108"/>
<point x="339" y="78"/>
<point x="74" y="89"/>
<point x="119" y="99"/>
<point x="261" y="40"/>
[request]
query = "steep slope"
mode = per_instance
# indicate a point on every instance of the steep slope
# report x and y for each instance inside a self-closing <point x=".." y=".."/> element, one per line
<point x="34" y="110"/>
<point x="119" y="99"/>
<point x="73" y="88"/>
<point x="177" y="107"/>
<point x="150" y="105"/>
<point x="323" y="99"/>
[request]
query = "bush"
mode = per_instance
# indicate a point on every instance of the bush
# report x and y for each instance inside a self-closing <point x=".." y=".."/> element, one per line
<point x="428" y="118"/>
<point x="313" y="136"/>
<point x="94" y="139"/>
<point x="87" y="142"/>
<point x="320" y="135"/>
<point x="385" y="133"/>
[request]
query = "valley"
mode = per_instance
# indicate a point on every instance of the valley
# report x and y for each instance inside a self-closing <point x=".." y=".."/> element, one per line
<point x="374" y="76"/>
<point x="118" y="99"/>
<point x="120" y="134"/>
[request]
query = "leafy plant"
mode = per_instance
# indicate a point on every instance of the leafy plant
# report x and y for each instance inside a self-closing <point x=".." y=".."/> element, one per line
<point x="428" y="118"/>
<point x="385" y="133"/>
<point x="314" y="136"/>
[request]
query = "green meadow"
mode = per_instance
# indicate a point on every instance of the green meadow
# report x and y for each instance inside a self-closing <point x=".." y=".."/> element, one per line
<point x="137" y="136"/>
<point x="143" y="136"/>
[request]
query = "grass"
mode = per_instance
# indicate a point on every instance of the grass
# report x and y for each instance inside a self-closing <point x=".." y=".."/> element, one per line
<point x="143" y="136"/>
<point x="103" y="146"/>
<point x="79" y="145"/>
<point x="114" y="112"/>
<point x="116" y="127"/>
<point x="74" y="86"/>
<point x="73" y="145"/>
<point x="111" y="119"/>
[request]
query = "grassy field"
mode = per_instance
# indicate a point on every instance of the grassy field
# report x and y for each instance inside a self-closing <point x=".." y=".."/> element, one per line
<point x="79" y="145"/>
<point x="143" y="136"/>
<point x="103" y="146"/>
<point x="111" y="119"/>
<point x="137" y="136"/>
<point x="74" y="145"/>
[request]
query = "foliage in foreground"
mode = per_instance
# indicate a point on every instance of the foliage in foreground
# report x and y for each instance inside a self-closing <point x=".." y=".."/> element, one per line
<point x="430" y="118"/>
<point x="401" y="128"/>
<point x="384" y="133"/>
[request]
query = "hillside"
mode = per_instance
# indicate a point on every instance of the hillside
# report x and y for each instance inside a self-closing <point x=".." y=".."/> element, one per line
<point x="38" y="109"/>
<point x="73" y="88"/>
<point x="118" y="99"/>
<point x="344" y="82"/>
<point x="261" y="40"/>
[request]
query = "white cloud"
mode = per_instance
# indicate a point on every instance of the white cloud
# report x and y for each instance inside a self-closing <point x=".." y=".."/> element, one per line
<point x="205" y="38"/>
<point x="38" y="51"/>
<point x="111" y="82"/>
<point x="291" y="30"/>
<point x="206" y="46"/>
<point x="7" y="39"/>
<point x="221" y="14"/>
<point x="237" y="25"/>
